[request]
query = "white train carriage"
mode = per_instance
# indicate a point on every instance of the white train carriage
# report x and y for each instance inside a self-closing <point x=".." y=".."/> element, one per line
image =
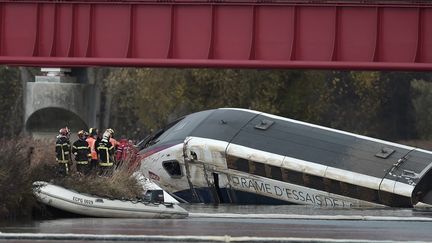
<point x="248" y="157"/>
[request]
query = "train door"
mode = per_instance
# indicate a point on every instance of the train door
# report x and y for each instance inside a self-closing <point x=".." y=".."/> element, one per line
<point x="204" y="166"/>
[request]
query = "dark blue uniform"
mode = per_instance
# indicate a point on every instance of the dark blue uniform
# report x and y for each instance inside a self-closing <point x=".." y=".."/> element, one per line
<point x="105" y="151"/>
<point x="63" y="155"/>
<point x="81" y="150"/>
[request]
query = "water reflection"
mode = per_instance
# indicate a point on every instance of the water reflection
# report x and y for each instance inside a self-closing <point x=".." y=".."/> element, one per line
<point x="103" y="225"/>
<point x="309" y="210"/>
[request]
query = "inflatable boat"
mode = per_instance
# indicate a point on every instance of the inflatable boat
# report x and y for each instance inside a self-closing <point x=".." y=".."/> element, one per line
<point x="88" y="205"/>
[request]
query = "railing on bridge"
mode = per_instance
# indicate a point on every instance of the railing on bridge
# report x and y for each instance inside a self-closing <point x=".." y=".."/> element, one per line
<point x="391" y="35"/>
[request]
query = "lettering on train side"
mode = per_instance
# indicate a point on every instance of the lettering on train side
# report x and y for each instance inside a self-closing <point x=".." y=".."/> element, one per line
<point x="287" y="193"/>
<point x="258" y="186"/>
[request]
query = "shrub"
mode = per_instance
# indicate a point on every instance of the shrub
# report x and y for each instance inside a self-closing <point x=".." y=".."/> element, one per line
<point x="25" y="160"/>
<point x="122" y="184"/>
<point x="15" y="182"/>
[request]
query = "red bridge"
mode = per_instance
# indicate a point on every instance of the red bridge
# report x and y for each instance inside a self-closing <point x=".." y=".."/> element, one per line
<point x="385" y="35"/>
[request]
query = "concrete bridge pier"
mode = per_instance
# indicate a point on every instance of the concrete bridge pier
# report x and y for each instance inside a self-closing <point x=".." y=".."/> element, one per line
<point x="58" y="99"/>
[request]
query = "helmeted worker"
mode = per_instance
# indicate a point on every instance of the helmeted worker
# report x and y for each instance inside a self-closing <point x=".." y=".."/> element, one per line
<point x="82" y="153"/>
<point x="126" y="155"/>
<point x="86" y="135"/>
<point x="91" y="140"/>
<point x="122" y="150"/>
<point x="112" y="140"/>
<point x="63" y="151"/>
<point x="105" y="151"/>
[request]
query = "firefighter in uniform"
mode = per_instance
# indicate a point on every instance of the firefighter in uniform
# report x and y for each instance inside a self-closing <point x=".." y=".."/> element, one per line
<point x="91" y="140"/>
<point x="122" y="152"/>
<point x="82" y="153"/>
<point x="63" y="151"/>
<point x="112" y="140"/>
<point x="105" y="152"/>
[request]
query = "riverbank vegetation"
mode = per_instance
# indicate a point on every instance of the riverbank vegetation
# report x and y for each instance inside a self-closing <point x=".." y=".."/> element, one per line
<point x="15" y="180"/>
<point x="25" y="160"/>
<point x="388" y="105"/>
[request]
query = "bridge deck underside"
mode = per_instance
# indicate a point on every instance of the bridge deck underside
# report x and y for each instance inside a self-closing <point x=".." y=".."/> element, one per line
<point x="209" y="34"/>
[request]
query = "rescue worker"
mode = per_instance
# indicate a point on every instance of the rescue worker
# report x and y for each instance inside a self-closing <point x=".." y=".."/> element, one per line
<point x="123" y="153"/>
<point x="91" y="140"/>
<point x="122" y="150"/>
<point x="112" y="139"/>
<point x="86" y="135"/>
<point x="105" y="151"/>
<point x="63" y="151"/>
<point x="127" y="155"/>
<point x="82" y="153"/>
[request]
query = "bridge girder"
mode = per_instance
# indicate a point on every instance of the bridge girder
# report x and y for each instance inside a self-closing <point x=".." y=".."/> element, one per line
<point x="279" y="34"/>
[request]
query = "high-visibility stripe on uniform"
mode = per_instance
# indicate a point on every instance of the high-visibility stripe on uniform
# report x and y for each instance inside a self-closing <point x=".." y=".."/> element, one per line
<point x="82" y="162"/>
<point x="106" y="164"/>
<point x="67" y="168"/>
<point x="82" y="147"/>
<point x="63" y="153"/>
<point x="107" y="155"/>
<point x="103" y="147"/>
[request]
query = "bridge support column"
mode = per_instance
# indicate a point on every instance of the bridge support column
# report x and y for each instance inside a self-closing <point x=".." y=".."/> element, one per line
<point x="57" y="100"/>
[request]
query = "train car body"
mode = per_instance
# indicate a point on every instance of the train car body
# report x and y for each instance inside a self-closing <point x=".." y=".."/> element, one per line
<point x="247" y="157"/>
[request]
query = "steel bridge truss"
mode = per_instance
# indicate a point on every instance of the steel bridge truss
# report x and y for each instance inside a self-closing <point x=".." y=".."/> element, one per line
<point x="394" y="35"/>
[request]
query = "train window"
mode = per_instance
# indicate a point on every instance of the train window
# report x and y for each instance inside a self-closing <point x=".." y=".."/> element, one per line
<point x="242" y="165"/>
<point x="384" y="153"/>
<point x="264" y="124"/>
<point x="173" y="168"/>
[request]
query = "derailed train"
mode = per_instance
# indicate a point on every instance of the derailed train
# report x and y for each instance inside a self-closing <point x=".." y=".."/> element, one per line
<point x="247" y="157"/>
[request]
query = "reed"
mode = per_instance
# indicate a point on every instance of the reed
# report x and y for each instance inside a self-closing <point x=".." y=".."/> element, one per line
<point x="24" y="160"/>
<point x="121" y="184"/>
<point x="15" y="181"/>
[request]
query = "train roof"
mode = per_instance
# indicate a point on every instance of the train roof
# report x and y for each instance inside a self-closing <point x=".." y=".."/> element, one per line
<point x="312" y="143"/>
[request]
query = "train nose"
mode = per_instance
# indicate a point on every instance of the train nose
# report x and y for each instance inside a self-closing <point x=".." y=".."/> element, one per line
<point x="423" y="190"/>
<point x="427" y="198"/>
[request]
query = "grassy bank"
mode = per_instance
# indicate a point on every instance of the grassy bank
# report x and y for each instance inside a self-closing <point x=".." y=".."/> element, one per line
<point x="24" y="160"/>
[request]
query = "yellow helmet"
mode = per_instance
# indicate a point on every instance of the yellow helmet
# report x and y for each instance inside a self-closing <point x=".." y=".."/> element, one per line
<point x="93" y="131"/>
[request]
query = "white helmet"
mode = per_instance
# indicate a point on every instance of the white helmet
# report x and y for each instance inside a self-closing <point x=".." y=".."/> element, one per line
<point x="106" y="136"/>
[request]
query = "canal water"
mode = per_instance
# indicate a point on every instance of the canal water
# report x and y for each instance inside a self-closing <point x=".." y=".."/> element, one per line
<point x="236" y="221"/>
<point x="421" y="211"/>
